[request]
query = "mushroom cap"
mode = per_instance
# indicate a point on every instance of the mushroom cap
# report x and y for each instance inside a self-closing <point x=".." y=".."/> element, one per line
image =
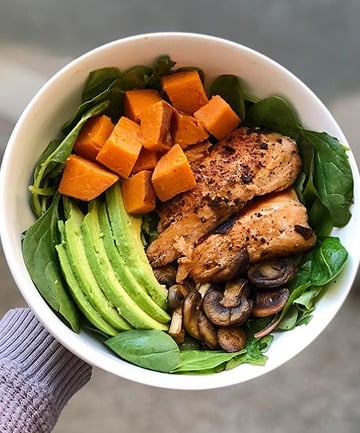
<point x="269" y="302"/>
<point x="231" y="339"/>
<point x="176" y="295"/>
<point x="207" y="331"/>
<point x="229" y="307"/>
<point x="274" y="272"/>
<point x="166" y="275"/>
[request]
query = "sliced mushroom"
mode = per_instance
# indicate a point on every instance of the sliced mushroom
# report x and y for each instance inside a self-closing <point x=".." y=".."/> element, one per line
<point x="274" y="272"/>
<point x="207" y="331"/>
<point x="191" y="308"/>
<point x="166" y="275"/>
<point x="269" y="302"/>
<point x="176" y="295"/>
<point x="176" y="329"/>
<point x="231" y="339"/>
<point x="230" y="307"/>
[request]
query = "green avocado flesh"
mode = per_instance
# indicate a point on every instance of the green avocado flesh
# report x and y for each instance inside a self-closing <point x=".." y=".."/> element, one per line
<point x="105" y="266"/>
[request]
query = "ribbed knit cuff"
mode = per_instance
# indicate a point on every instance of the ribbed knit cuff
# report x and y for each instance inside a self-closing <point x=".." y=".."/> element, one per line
<point x="37" y="374"/>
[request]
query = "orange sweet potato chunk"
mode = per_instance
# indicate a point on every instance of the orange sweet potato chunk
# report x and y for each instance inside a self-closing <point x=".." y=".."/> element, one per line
<point x="155" y="126"/>
<point x="138" y="193"/>
<point x="186" y="130"/>
<point x="92" y="136"/>
<point x="218" y="117"/>
<point x="137" y="99"/>
<point x="146" y="161"/>
<point x="185" y="90"/>
<point x="85" y="180"/>
<point x="172" y="174"/>
<point x="122" y="148"/>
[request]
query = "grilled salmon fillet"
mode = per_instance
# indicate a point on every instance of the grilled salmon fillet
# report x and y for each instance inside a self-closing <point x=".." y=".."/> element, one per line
<point x="273" y="226"/>
<point x="248" y="163"/>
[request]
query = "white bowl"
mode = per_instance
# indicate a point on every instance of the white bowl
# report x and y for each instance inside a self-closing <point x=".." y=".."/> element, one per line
<point x="55" y="103"/>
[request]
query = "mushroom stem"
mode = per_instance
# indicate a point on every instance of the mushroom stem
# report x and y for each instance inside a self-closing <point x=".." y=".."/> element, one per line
<point x="191" y="308"/>
<point x="176" y="329"/>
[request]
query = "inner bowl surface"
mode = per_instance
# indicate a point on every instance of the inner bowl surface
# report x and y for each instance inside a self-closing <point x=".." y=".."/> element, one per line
<point x="55" y="103"/>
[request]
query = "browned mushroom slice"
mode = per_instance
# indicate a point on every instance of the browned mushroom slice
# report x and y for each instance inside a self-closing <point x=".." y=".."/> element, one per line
<point x="191" y="308"/>
<point x="230" y="307"/>
<point x="231" y="339"/>
<point x="176" y="329"/>
<point x="166" y="275"/>
<point x="269" y="302"/>
<point x="274" y="272"/>
<point x="207" y="331"/>
<point x="176" y="295"/>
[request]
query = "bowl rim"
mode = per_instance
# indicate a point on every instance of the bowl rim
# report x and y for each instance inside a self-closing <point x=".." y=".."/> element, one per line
<point x="81" y="346"/>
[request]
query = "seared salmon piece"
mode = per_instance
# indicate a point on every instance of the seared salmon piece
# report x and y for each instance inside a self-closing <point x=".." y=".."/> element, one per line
<point x="248" y="163"/>
<point x="273" y="226"/>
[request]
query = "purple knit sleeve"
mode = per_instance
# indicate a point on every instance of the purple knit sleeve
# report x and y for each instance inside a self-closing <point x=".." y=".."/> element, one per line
<point x="37" y="375"/>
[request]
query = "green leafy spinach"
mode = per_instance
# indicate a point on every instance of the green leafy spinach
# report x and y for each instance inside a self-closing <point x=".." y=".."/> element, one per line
<point x="41" y="261"/>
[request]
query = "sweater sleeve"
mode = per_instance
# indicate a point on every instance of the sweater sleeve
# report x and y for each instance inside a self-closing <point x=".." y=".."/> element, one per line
<point x="37" y="375"/>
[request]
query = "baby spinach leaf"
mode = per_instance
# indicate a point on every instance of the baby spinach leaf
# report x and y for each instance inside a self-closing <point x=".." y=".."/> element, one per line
<point x="274" y="114"/>
<point x="328" y="261"/>
<point x="55" y="160"/>
<point x="151" y="349"/>
<point x="99" y="81"/>
<point x="332" y="175"/>
<point x="289" y="321"/>
<point x="162" y="66"/>
<point x="321" y="265"/>
<point x="136" y="77"/>
<point x="229" y="88"/>
<point x="41" y="261"/>
<point x="141" y="76"/>
<point x="306" y="301"/>
<point x="113" y="94"/>
<point x="203" y="361"/>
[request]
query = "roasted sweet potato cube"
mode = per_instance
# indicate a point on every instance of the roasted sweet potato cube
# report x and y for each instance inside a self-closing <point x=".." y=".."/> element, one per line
<point x="185" y="90"/>
<point x="155" y="126"/>
<point x="146" y="161"/>
<point x="137" y="99"/>
<point x="186" y="130"/>
<point x="218" y="117"/>
<point x="92" y="136"/>
<point x="138" y="193"/>
<point x="121" y="150"/>
<point x="85" y="180"/>
<point x="172" y="174"/>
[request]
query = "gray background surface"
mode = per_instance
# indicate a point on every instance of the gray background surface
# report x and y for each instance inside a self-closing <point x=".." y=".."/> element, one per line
<point x="318" y="40"/>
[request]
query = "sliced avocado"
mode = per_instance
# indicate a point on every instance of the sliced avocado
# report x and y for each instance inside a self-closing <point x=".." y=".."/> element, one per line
<point x="107" y="279"/>
<point x="76" y="253"/>
<point x="126" y="231"/>
<point x="123" y="272"/>
<point x="84" y="305"/>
